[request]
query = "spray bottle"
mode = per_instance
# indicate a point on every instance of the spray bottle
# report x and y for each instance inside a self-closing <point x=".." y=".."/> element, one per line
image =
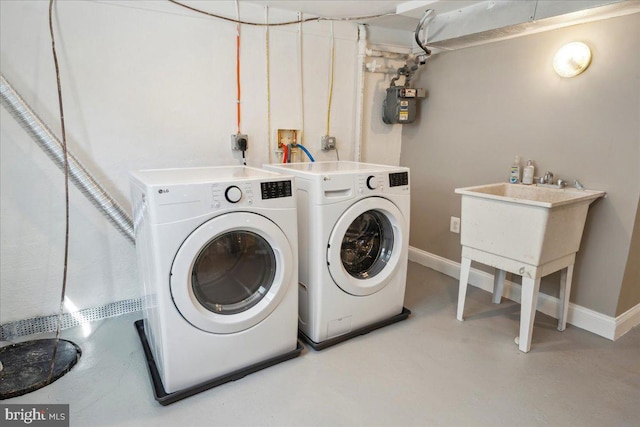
<point x="514" y="178"/>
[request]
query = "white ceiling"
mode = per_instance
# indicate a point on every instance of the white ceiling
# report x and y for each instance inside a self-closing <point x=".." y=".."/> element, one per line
<point x="348" y="8"/>
<point x="459" y="23"/>
<point x="334" y="8"/>
<point x="404" y="15"/>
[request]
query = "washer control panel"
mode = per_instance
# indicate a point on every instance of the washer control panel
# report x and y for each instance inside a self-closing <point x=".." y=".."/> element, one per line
<point x="383" y="182"/>
<point x="372" y="182"/>
<point x="398" y="179"/>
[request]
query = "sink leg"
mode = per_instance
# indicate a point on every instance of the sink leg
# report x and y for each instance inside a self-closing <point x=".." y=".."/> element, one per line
<point x="465" y="266"/>
<point x="529" y="300"/>
<point x="498" y="285"/>
<point x="566" y="276"/>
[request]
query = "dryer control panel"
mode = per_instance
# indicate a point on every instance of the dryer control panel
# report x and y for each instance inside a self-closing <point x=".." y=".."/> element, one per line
<point x="276" y="189"/>
<point x="170" y="195"/>
<point x="227" y="195"/>
<point x="250" y="193"/>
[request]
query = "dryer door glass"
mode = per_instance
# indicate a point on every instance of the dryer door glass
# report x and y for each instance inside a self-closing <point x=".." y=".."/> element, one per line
<point x="233" y="272"/>
<point x="367" y="245"/>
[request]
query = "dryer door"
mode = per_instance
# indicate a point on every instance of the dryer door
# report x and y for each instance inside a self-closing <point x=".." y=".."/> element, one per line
<point x="231" y="272"/>
<point x="365" y="246"/>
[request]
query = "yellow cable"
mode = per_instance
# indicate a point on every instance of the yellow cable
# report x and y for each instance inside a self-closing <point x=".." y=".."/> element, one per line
<point x="268" y="84"/>
<point x="331" y="74"/>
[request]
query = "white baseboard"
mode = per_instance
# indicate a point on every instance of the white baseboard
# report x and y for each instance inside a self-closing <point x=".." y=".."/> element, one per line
<point x="581" y="317"/>
<point x="627" y="321"/>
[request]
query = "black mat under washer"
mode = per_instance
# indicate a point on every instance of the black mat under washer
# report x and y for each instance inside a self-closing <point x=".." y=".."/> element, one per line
<point x="364" y="330"/>
<point x="26" y="365"/>
<point x="165" y="398"/>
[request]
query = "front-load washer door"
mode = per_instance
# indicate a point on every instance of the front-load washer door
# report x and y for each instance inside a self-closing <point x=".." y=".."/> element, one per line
<point x="365" y="246"/>
<point x="231" y="272"/>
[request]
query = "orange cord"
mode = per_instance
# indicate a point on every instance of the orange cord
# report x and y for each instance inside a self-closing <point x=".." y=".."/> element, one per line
<point x="238" y="71"/>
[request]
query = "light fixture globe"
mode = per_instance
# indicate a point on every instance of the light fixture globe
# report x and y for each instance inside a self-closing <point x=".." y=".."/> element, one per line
<point x="572" y="59"/>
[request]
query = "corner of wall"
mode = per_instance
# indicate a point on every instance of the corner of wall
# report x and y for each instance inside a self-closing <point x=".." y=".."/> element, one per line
<point x="630" y="289"/>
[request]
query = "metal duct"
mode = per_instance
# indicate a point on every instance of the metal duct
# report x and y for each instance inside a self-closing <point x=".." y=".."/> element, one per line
<point x="78" y="174"/>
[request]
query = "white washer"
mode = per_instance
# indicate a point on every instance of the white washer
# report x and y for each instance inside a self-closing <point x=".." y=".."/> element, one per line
<point x="217" y="252"/>
<point x="353" y="230"/>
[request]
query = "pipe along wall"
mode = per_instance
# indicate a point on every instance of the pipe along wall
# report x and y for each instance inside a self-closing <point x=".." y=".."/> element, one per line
<point x="52" y="146"/>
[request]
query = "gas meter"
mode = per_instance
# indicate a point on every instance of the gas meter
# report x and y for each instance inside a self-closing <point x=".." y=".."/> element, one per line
<point x="400" y="104"/>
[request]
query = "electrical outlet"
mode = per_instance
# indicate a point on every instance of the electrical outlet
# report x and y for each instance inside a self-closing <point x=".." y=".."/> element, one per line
<point x="454" y="225"/>
<point x="327" y="142"/>
<point x="239" y="142"/>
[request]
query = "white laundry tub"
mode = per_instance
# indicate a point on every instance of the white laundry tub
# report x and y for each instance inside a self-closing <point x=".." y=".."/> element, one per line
<point x="526" y="230"/>
<point x="526" y="223"/>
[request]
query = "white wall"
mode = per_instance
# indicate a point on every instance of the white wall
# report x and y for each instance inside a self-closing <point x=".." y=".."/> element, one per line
<point x="145" y="85"/>
<point x="381" y="143"/>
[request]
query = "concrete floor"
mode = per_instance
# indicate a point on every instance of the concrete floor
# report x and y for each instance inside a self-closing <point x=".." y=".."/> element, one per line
<point x="429" y="370"/>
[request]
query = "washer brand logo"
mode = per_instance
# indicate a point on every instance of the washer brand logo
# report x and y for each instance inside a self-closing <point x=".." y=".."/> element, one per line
<point x="161" y="191"/>
<point x="36" y="415"/>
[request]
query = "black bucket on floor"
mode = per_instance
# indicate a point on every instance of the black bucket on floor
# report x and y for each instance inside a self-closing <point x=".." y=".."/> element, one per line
<point x="26" y="365"/>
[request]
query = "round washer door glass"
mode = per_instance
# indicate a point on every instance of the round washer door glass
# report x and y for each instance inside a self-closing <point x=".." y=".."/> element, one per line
<point x="367" y="245"/>
<point x="233" y="272"/>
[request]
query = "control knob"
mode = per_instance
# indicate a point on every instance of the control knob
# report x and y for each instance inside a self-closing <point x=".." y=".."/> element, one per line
<point x="372" y="182"/>
<point x="233" y="194"/>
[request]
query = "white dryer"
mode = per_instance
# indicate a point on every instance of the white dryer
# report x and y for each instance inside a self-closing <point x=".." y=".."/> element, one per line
<point x="353" y="230"/>
<point x="217" y="252"/>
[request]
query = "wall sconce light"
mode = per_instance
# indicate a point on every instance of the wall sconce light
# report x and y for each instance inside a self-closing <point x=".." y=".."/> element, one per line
<point x="572" y="59"/>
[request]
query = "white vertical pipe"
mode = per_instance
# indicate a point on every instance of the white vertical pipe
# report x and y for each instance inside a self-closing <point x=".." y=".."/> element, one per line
<point x="301" y="69"/>
<point x="362" y="56"/>
<point x="268" y="76"/>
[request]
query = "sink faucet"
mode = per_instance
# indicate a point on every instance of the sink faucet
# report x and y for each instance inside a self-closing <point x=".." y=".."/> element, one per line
<point x="547" y="181"/>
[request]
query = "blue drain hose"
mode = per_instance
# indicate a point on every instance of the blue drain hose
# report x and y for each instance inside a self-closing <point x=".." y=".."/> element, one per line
<point x="306" y="152"/>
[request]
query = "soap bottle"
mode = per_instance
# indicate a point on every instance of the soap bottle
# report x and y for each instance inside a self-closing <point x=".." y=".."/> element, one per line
<point x="515" y="171"/>
<point x="527" y="175"/>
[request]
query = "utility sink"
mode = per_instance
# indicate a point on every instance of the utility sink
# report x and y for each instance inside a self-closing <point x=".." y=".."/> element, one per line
<point x="526" y="223"/>
<point x="531" y="194"/>
<point x="526" y="230"/>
